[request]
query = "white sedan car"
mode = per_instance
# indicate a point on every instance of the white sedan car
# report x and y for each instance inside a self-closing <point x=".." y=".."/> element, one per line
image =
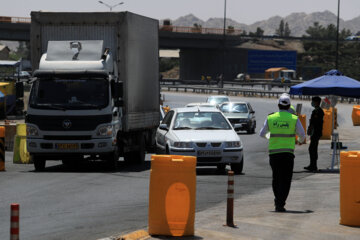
<point x="202" y="132"/>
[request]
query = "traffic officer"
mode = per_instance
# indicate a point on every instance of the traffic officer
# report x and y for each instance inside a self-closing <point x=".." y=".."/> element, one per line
<point x="282" y="127"/>
<point x="315" y="132"/>
<point x="291" y="108"/>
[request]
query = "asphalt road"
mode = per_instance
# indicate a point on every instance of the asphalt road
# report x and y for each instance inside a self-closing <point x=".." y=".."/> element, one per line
<point x="88" y="202"/>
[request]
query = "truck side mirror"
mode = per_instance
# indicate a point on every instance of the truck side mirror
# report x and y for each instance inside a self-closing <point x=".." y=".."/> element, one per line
<point x="119" y="103"/>
<point x="116" y="89"/>
<point x="19" y="88"/>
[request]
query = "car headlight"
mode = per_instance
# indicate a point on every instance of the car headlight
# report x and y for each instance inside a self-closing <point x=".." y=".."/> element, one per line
<point x="31" y="131"/>
<point x="105" y="131"/>
<point x="182" y="144"/>
<point x="235" y="144"/>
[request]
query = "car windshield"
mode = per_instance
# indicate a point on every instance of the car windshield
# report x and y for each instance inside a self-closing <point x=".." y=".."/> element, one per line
<point x="217" y="100"/>
<point x="200" y="121"/>
<point x="234" y="108"/>
<point x="67" y="94"/>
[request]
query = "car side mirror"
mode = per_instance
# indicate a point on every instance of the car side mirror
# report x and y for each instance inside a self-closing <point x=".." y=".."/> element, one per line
<point x="164" y="127"/>
<point x="237" y="126"/>
<point x="252" y="112"/>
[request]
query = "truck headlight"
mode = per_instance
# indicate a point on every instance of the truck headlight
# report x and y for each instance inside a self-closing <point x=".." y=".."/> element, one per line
<point x="235" y="144"/>
<point x="182" y="144"/>
<point x="31" y="131"/>
<point x="105" y="131"/>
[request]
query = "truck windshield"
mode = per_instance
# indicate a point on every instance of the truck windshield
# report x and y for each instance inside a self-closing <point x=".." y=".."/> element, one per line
<point x="68" y="94"/>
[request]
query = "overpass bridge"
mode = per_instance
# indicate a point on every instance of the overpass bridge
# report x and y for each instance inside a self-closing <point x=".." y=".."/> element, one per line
<point x="203" y="51"/>
<point x="18" y="29"/>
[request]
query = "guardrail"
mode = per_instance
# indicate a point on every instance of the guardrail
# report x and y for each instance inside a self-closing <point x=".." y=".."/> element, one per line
<point x="243" y="92"/>
<point x="261" y="82"/>
<point x="15" y="19"/>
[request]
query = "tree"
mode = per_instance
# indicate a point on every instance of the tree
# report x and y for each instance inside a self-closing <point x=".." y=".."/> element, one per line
<point x="316" y="31"/>
<point x="330" y="32"/>
<point x="259" y="32"/>
<point x="23" y="50"/>
<point x="230" y="29"/>
<point x="345" y="33"/>
<point x="287" y="30"/>
<point x="196" y="28"/>
<point x="280" y="31"/>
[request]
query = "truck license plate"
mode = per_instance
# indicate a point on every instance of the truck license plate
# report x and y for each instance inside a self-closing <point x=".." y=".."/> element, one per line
<point x="66" y="146"/>
<point x="207" y="153"/>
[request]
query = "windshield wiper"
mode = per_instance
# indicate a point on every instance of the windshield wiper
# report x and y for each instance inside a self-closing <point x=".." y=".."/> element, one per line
<point x="82" y="105"/>
<point x="51" y="106"/>
<point x="182" y="128"/>
<point x="205" y="128"/>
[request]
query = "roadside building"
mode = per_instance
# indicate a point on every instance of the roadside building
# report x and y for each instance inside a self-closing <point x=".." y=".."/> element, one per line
<point x="4" y="52"/>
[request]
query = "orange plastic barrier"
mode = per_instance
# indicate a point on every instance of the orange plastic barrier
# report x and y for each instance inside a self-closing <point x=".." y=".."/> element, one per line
<point x="356" y="115"/>
<point x="327" y="125"/>
<point x="172" y="195"/>
<point x="349" y="188"/>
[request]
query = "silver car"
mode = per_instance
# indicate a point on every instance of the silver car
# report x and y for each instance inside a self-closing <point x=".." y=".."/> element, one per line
<point x="202" y="132"/>
<point x="217" y="99"/>
<point x="240" y="113"/>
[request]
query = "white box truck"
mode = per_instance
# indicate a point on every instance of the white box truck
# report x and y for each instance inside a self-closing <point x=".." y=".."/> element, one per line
<point x="95" y="87"/>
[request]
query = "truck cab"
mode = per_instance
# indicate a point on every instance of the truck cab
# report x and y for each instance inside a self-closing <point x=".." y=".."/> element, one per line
<point x="280" y="73"/>
<point x="73" y="110"/>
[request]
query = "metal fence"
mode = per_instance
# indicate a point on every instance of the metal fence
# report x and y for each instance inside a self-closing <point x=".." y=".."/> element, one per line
<point x="246" y="92"/>
<point x="202" y="30"/>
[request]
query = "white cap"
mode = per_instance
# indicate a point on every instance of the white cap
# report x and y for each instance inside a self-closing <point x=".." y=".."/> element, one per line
<point x="284" y="100"/>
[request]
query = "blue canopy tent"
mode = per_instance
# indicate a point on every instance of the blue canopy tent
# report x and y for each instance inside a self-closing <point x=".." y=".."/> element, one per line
<point x="332" y="83"/>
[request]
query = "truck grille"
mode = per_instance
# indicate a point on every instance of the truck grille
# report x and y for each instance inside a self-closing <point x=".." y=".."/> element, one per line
<point x="77" y="123"/>
<point x="71" y="137"/>
<point x="208" y="159"/>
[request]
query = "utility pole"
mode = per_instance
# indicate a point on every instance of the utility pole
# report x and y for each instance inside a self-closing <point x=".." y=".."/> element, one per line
<point x="337" y="38"/>
<point x="224" y="44"/>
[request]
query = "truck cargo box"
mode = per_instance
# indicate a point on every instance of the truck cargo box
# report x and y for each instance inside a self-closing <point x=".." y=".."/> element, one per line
<point x="133" y="41"/>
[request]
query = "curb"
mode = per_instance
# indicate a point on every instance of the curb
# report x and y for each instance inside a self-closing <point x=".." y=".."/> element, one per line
<point x="136" y="235"/>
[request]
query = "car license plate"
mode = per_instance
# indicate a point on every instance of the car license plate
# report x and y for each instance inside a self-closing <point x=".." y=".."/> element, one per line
<point x="66" y="146"/>
<point x="207" y="153"/>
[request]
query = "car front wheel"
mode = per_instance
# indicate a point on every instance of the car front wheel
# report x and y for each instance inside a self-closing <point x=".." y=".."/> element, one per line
<point x="39" y="163"/>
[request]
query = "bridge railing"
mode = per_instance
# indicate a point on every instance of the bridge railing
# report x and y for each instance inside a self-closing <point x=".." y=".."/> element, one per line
<point x="15" y="19"/>
<point x="201" y="30"/>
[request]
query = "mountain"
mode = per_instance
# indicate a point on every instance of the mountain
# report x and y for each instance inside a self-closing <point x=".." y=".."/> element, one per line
<point x="298" y="22"/>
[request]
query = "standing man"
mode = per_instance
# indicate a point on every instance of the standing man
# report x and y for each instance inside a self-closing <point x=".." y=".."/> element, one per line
<point x="282" y="127"/>
<point x="315" y="132"/>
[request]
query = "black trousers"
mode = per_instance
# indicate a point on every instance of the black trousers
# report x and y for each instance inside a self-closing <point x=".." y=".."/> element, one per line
<point x="313" y="151"/>
<point x="282" y="165"/>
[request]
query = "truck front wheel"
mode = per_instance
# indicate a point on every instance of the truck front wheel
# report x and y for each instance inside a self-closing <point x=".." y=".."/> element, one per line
<point x="39" y="163"/>
<point x="112" y="159"/>
<point x="136" y="156"/>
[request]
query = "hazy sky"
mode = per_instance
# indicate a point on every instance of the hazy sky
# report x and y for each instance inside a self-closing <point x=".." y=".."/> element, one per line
<point x="243" y="11"/>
